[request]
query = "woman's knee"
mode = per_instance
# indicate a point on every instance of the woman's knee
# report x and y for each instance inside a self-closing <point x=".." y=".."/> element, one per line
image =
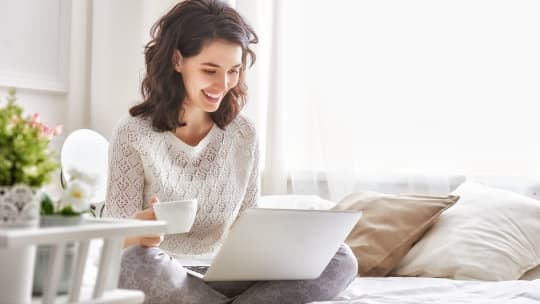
<point x="343" y="268"/>
<point x="148" y="255"/>
<point x="162" y="278"/>
<point x="139" y="264"/>
<point x="347" y="263"/>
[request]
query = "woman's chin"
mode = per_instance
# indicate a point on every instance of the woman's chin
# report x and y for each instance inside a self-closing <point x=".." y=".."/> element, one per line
<point x="211" y="106"/>
<point x="211" y="109"/>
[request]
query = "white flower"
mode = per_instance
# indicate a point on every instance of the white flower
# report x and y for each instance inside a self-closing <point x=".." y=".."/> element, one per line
<point x="76" y="195"/>
<point x="88" y="179"/>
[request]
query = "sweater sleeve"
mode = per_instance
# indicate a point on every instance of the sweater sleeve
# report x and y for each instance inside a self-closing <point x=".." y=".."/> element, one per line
<point x="251" y="195"/>
<point x="125" y="183"/>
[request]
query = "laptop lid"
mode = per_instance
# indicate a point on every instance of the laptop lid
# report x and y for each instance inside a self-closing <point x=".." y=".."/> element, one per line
<point x="281" y="244"/>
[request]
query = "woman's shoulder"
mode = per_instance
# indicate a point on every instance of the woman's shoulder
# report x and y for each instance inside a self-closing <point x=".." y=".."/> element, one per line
<point x="130" y="124"/>
<point x="132" y="130"/>
<point x="243" y="127"/>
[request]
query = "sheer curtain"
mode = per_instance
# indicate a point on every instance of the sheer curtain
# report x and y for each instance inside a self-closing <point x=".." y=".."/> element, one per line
<point x="395" y="96"/>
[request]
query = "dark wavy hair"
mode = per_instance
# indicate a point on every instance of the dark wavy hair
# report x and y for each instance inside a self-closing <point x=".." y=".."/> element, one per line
<point x="187" y="27"/>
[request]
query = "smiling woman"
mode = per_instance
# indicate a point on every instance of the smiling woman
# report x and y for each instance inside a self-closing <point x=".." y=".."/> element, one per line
<point x="208" y="77"/>
<point x="186" y="140"/>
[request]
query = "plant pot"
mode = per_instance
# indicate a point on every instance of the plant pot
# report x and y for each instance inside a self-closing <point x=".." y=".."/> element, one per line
<point x="19" y="209"/>
<point x="44" y="251"/>
<point x="19" y="206"/>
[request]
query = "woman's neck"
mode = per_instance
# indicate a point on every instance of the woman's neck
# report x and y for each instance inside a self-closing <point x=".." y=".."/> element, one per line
<point x="198" y="125"/>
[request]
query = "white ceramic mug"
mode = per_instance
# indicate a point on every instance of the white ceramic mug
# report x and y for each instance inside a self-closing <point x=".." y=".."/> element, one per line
<point x="179" y="215"/>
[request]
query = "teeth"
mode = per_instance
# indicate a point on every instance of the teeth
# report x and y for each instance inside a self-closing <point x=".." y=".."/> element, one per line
<point x="212" y="95"/>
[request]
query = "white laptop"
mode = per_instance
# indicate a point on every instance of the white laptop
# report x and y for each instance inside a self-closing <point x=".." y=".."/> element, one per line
<point x="278" y="244"/>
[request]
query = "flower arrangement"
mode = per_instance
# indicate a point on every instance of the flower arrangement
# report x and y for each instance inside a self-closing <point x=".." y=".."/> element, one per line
<point x="25" y="157"/>
<point x="75" y="199"/>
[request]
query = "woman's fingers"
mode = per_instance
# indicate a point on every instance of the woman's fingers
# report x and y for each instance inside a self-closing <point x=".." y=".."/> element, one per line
<point x="151" y="241"/>
<point x="148" y="213"/>
<point x="153" y="200"/>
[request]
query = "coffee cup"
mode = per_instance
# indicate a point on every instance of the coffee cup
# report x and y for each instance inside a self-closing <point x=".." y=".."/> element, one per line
<point x="179" y="214"/>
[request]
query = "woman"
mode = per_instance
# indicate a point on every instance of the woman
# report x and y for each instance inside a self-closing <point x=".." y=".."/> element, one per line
<point x="187" y="140"/>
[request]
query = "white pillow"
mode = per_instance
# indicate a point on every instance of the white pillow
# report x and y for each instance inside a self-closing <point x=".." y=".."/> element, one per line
<point x="489" y="234"/>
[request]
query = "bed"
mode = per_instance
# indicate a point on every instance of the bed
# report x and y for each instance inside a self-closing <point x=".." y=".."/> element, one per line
<point x="400" y="289"/>
<point x="405" y="290"/>
<point x="480" y="274"/>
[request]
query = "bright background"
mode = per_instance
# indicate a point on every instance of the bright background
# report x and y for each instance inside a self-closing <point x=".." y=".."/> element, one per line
<point x="346" y="95"/>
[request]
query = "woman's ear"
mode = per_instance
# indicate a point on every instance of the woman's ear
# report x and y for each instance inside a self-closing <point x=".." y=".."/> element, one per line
<point x="177" y="61"/>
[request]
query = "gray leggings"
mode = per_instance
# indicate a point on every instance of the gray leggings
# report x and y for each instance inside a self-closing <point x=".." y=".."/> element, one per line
<point x="163" y="280"/>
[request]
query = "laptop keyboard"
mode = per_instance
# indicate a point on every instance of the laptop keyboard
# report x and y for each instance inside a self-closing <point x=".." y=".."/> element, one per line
<point x="200" y="269"/>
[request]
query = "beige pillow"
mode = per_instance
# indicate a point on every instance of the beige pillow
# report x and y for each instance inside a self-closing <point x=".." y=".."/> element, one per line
<point x="491" y="234"/>
<point x="532" y="274"/>
<point x="389" y="226"/>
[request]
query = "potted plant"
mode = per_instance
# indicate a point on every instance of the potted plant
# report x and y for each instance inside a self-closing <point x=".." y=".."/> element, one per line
<point x="26" y="163"/>
<point x="63" y="211"/>
<point x="74" y="200"/>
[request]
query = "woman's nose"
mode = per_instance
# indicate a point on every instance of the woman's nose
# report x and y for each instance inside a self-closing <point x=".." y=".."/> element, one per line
<point x="221" y="82"/>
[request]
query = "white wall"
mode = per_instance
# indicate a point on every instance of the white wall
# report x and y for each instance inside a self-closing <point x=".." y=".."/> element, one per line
<point x="116" y="61"/>
<point x="35" y="42"/>
<point x="120" y="29"/>
<point x="78" y="63"/>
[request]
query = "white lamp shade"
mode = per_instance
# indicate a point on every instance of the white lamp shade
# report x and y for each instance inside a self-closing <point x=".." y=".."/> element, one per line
<point x="87" y="151"/>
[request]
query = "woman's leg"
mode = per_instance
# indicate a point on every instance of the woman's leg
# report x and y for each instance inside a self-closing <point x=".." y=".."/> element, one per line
<point x="231" y="289"/>
<point x="162" y="278"/>
<point x="339" y="273"/>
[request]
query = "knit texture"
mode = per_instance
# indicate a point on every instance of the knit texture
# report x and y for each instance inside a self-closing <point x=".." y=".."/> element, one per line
<point x="221" y="172"/>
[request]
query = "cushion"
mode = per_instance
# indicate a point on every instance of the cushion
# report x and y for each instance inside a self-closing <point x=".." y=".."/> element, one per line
<point x="389" y="226"/>
<point x="532" y="274"/>
<point x="490" y="234"/>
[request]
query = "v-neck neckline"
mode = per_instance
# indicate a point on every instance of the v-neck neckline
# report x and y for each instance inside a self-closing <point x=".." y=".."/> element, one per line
<point x="202" y="143"/>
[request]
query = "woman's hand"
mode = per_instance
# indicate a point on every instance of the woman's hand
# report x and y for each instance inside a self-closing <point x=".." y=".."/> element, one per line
<point x="147" y="214"/>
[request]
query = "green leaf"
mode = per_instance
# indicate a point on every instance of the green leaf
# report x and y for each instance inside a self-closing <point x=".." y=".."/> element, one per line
<point x="25" y="156"/>
<point x="67" y="210"/>
<point x="47" y="206"/>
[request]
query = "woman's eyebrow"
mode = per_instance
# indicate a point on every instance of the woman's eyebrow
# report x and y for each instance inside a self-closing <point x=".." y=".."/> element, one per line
<point x="218" y="66"/>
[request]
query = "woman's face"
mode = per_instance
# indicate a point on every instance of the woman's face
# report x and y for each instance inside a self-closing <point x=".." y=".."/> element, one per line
<point x="209" y="75"/>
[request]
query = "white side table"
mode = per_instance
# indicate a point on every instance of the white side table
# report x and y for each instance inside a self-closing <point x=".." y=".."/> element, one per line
<point x="112" y="231"/>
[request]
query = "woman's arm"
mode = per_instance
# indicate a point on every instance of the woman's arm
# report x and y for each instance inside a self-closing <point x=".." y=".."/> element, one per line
<point x="125" y="183"/>
<point x="253" y="187"/>
<point x="125" y="186"/>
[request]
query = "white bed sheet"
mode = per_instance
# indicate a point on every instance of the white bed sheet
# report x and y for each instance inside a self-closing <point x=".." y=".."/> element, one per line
<point x="407" y="290"/>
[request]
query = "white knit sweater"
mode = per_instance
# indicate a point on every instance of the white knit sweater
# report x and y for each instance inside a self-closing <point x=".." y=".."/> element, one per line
<point x="221" y="172"/>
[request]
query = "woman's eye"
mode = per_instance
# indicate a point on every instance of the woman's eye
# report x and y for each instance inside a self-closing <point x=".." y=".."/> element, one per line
<point x="209" y="71"/>
<point x="234" y="71"/>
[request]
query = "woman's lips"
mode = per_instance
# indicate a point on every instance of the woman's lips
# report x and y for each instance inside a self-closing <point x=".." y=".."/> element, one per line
<point x="214" y="98"/>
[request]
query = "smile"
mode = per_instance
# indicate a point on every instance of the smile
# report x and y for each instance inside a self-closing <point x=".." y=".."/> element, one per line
<point x="212" y="97"/>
